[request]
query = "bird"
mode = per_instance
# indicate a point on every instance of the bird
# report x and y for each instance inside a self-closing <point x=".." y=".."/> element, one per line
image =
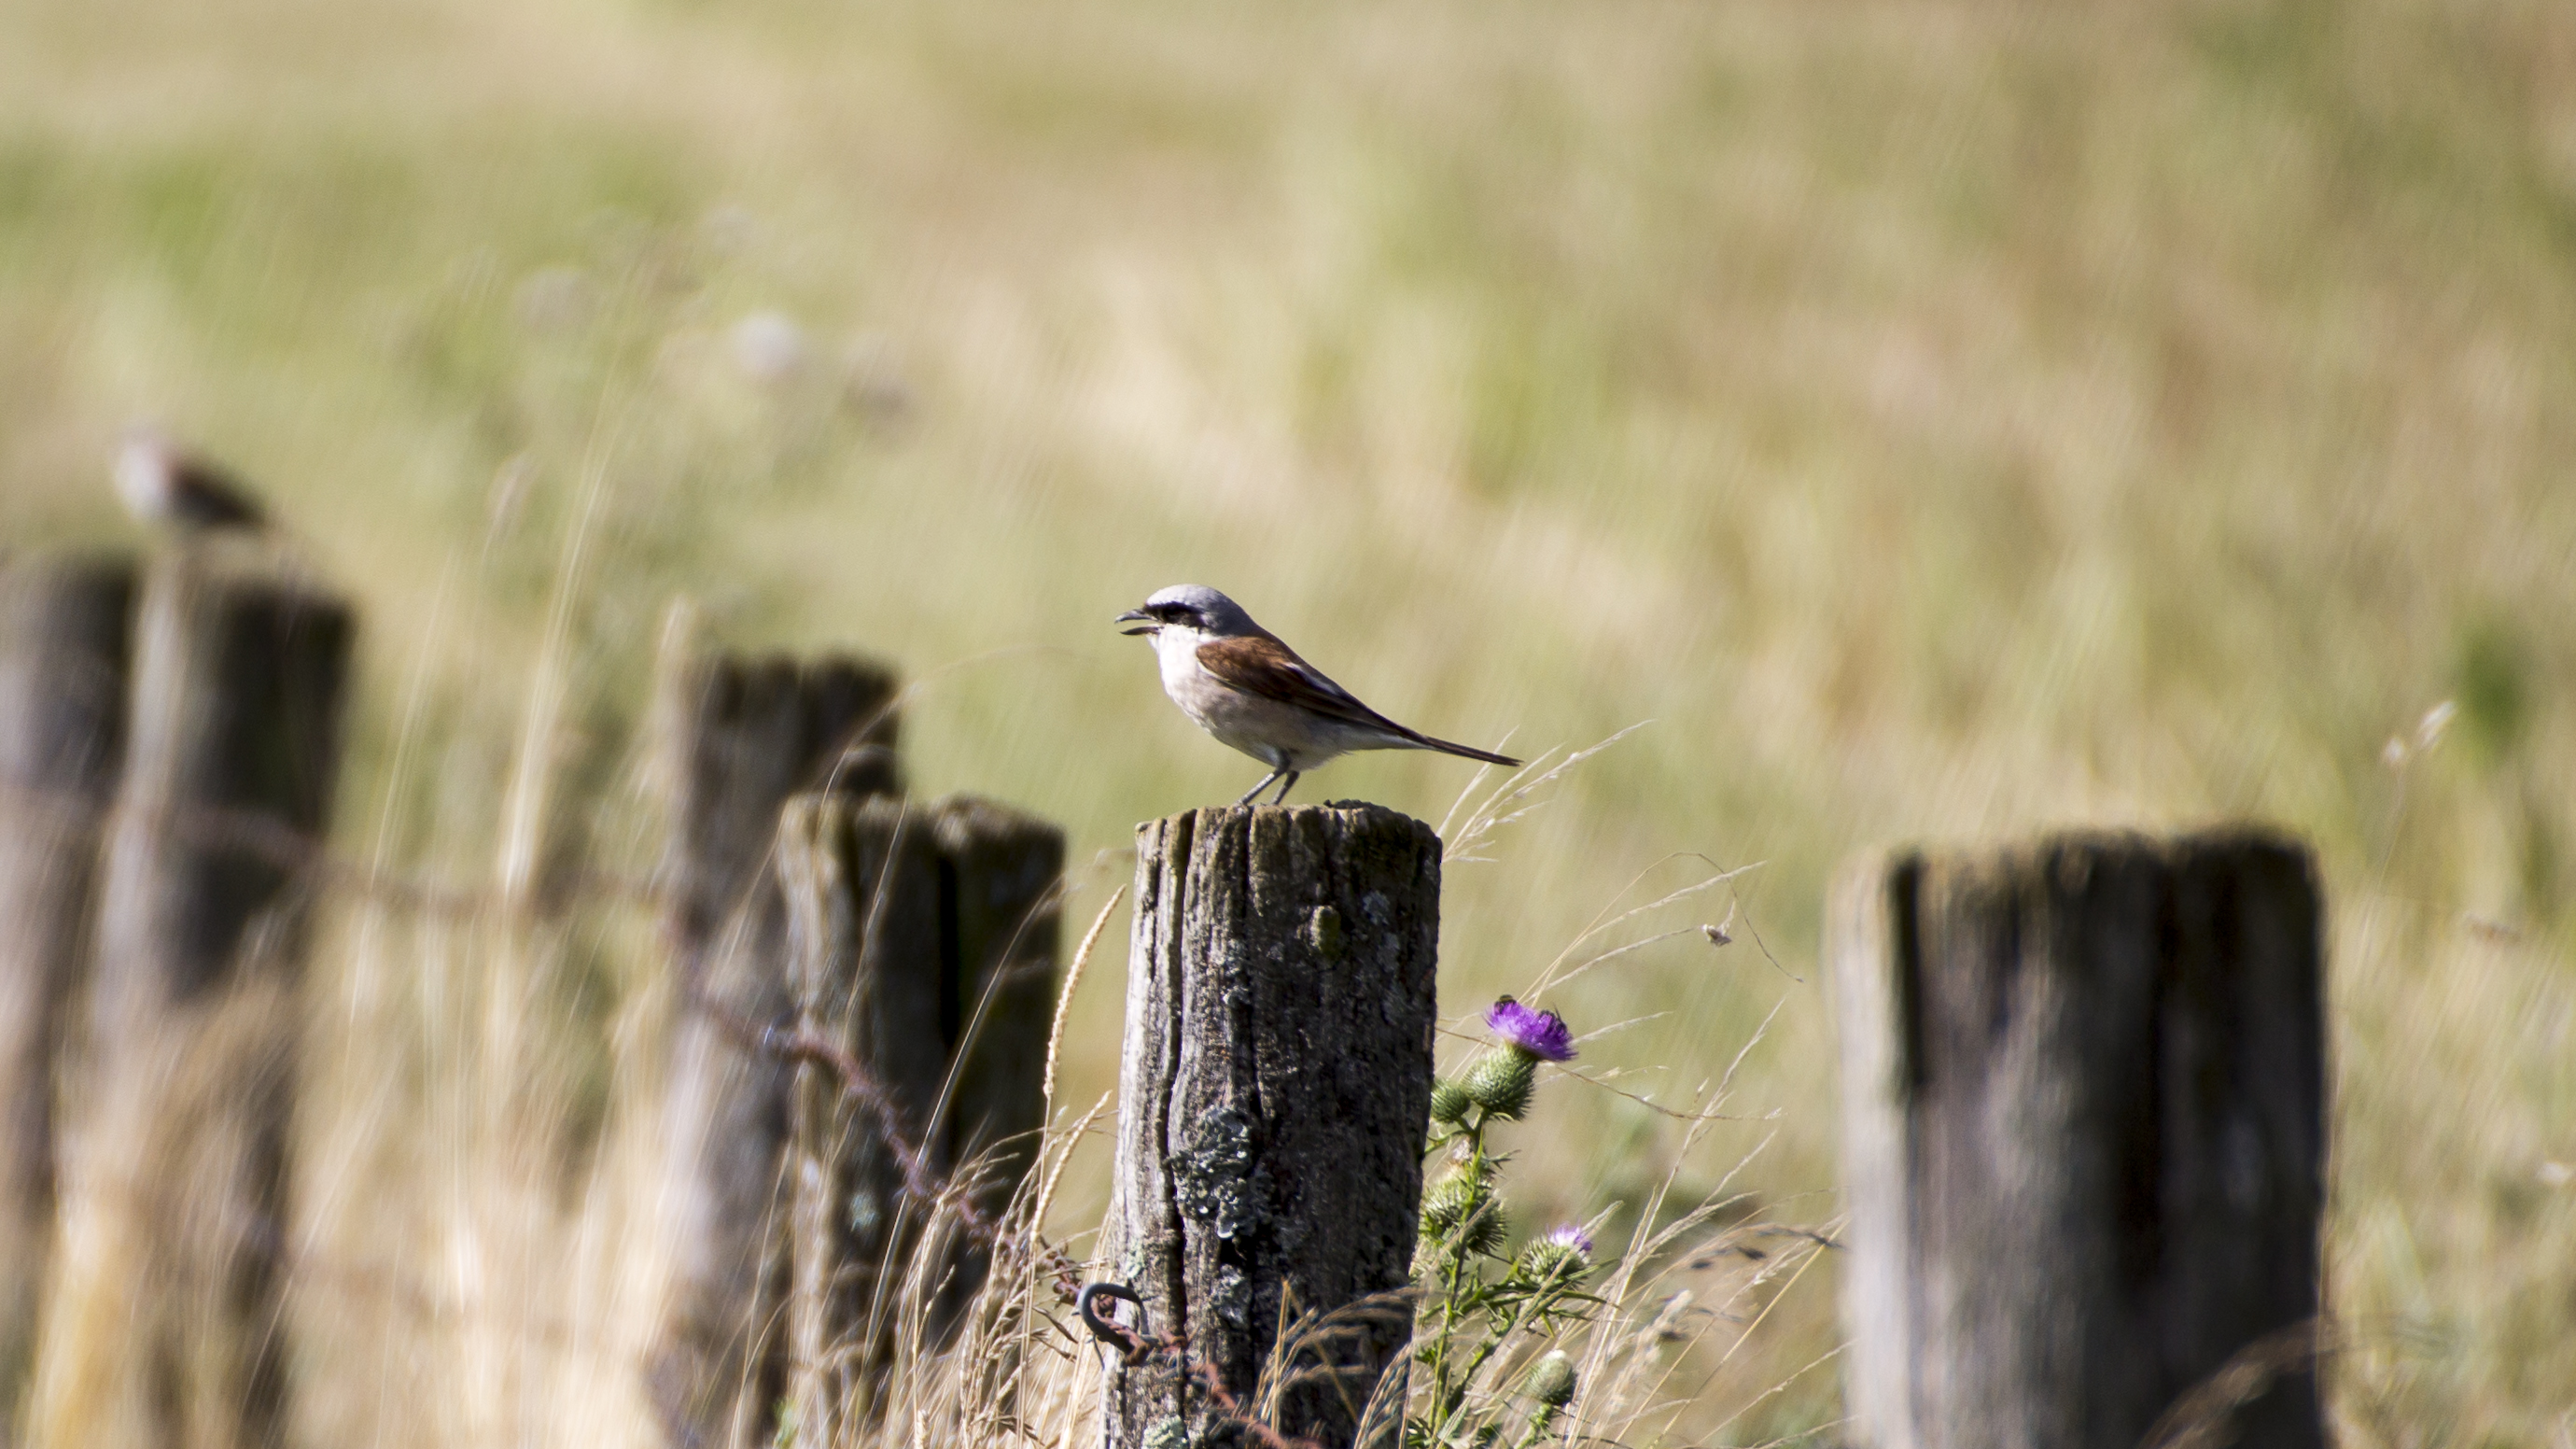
<point x="1239" y="683"/>
<point x="160" y="483"/>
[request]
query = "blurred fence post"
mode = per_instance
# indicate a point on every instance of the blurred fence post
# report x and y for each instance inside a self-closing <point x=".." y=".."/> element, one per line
<point x="1274" y="1089"/>
<point x="738" y="736"/>
<point x="2083" y="1126"/>
<point x="863" y="903"/>
<point x="65" y="627"/>
<point x="921" y="950"/>
<point x="176" y="1163"/>
<point x="1000" y="872"/>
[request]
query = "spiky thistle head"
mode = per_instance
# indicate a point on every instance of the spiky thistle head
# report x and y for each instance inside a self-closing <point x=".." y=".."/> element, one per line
<point x="1551" y="1380"/>
<point x="1501" y="1083"/>
<point x="1450" y="1102"/>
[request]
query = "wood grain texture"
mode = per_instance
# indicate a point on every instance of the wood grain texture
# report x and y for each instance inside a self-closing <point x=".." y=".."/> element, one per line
<point x="862" y="886"/>
<point x="239" y="680"/>
<point x="1000" y="871"/>
<point x="1274" y="1087"/>
<point x="739" y="735"/>
<point x="2084" y="1131"/>
<point x="179" y="1148"/>
<point x="66" y="626"/>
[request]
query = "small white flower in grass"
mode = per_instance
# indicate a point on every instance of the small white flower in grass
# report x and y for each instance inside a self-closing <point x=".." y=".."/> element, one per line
<point x="2428" y="732"/>
<point x="769" y="346"/>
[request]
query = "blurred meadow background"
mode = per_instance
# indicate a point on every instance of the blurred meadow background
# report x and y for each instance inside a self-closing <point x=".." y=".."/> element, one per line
<point x="1939" y="419"/>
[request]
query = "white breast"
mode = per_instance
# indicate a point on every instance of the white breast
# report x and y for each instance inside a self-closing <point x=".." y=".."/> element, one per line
<point x="1265" y="729"/>
<point x="143" y="481"/>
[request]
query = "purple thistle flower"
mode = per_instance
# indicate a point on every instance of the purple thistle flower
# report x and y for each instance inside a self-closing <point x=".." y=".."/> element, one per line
<point x="1571" y="1235"/>
<point x="1540" y="1034"/>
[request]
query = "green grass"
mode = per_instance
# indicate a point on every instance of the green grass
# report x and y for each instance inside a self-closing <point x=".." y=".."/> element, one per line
<point x="1940" y="420"/>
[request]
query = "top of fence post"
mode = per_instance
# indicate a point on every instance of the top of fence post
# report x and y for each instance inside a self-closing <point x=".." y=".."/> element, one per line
<point x="736" y="737"/>
<point x="2084" y="1129"/>
<point x="739" y="734"/>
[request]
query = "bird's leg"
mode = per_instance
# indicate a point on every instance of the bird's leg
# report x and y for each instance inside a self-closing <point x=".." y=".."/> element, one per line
<point x="1264" y="785"/>
<point x="1283" y="787"/>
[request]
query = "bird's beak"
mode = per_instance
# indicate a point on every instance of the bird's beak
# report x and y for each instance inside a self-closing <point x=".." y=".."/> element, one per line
<point x="1130" y="617"/>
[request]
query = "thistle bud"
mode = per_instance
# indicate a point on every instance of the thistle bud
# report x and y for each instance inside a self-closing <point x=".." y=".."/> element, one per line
<point x="1449" y="1102"/>
<point x="1461" y="1212"/>
<point x="1548" y="1261"/>
<point x="1446" y="1203"/>
<point x="1500" y="1082"/>
<point x="1551" y="1380"/>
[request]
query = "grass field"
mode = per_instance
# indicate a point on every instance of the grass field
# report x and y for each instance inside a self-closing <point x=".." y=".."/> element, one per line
<point x="1939" y="419"/>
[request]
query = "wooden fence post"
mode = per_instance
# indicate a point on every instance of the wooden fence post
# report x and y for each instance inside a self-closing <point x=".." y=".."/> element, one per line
<point x="177" y="1162"/>
<point x="2083" y="1126"/>
<point x="1000" y="872"/>
<point x="1274" y="1089"/>
<point x="738" y="737"/>
<point x="863" y="902"/>
<point x="65" y="626"/>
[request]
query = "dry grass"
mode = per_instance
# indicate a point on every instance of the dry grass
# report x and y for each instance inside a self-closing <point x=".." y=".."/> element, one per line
<point x="1941" y="418"/>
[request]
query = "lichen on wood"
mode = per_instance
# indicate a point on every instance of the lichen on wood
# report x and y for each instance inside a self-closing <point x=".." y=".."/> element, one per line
<point x="1274" y="1085"/>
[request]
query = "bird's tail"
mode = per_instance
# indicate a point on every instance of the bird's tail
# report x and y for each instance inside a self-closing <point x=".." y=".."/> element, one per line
<point x="1465" y="752"/>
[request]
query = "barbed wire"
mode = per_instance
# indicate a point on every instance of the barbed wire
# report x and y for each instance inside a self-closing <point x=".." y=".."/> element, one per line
<point x="304" y="854"/>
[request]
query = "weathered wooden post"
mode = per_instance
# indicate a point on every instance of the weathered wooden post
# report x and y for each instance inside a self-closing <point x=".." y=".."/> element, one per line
<point x="1274" y="1089"/>
<point x="738" y="737"/>
<point x="178" y="1160"/>
<point x="916" y="940"/>
<point x="65" y="626"/>
<point x="2083" y="1125"/>
<point x="999" y="877"/>
<point x="863" y="901"/>
<point x="742" y="733"/>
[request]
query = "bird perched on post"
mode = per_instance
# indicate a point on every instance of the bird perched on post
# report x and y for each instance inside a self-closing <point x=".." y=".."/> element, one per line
<point x="159" y="483"/>
<point x="1240" y="684"/>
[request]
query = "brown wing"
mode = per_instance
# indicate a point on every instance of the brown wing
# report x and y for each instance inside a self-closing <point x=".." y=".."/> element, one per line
<point x="209" y="497"/>
<point x="1259" y="664"/>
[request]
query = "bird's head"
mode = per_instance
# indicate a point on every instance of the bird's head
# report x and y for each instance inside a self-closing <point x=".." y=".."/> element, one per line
<point x="1190" y="608"/>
